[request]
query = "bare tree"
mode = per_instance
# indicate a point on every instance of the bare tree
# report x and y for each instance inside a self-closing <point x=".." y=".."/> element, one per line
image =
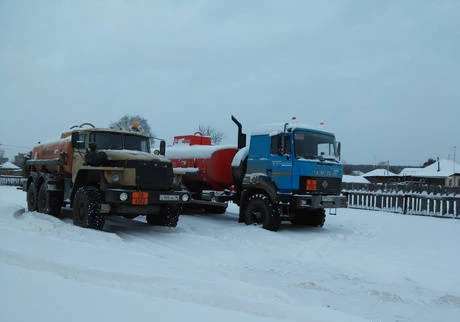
<point x="428" y="162"/>
<point x="216" y="135"/>
<point x="126" y="123"/>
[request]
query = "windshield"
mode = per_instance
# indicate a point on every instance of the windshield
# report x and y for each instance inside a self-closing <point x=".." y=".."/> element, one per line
<point x="311" y="145"/>
<point x="119" y="141"/>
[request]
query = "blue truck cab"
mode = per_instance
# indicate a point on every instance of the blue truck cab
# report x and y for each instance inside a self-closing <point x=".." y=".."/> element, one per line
<point x="293" y="172"/>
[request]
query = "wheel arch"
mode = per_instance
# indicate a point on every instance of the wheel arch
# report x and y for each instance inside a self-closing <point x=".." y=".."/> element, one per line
<point x="92" y="178"/>
<point x="261" y="184"/>
<point x="253" y="185"/>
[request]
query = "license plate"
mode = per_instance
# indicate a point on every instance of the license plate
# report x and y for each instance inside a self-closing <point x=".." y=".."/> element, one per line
<point x="169" y="197"/>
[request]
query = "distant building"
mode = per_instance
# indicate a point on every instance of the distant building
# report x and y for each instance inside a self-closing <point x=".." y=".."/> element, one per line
<point x="20" y="159"/>
<point x="8" y="168"/>
<point x="453" y="181"/>
<point x="380" y="176"/>
<point x="354" y="179"/>
<point x="434" y="174"/>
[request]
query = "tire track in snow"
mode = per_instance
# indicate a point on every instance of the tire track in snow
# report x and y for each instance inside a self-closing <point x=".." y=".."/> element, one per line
<point x="240" y="296"/>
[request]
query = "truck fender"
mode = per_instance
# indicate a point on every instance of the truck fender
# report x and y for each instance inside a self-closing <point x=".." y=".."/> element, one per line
<point x="238" y="167"/>
<point x="33" y="177"/>
<point x="259" y="183"/>
<point x="86" y="178"/>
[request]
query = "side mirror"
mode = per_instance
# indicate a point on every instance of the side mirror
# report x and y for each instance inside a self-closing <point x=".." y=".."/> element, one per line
<point x="162" y="147"/>
<point x="339" y="148"/>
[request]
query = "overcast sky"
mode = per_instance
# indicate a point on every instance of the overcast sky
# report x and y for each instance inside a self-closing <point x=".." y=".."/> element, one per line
<point x="383" y="75"/>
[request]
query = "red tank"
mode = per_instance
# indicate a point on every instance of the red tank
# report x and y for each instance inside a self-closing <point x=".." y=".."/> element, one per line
<point x="54" y="156"/>
<point x="201" y="166"/>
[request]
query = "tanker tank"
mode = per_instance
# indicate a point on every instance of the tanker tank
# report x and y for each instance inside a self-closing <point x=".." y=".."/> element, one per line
<point x="201" y="166"/>
<point x="54" y="156"/>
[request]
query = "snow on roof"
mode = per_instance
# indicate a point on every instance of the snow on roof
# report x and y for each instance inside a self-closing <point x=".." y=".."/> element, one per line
<point x="277" y="128"/>
<point x="354" y="179"/>
<point x="446" y="169"/>
<point x="379" y="173"/>
<point x="9" y="166"/>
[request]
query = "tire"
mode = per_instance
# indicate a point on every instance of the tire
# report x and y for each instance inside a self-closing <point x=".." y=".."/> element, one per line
<point x="32" y="197"/>
<point x="55" y="203"/>
<point x="87" y="208"/>
<point x="154" y="219"/>
<point x="314" y="218"/>
<point x="318" y="218"/>
<point x="216" y="209"/>
<point x="261" y="211"/>
<point x="49" y="202"/>
<point x="168" y="216"/>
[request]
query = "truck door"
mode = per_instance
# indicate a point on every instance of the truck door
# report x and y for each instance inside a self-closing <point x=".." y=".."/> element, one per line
<point x="79" y="144"/>
<point x="280" y="165"/>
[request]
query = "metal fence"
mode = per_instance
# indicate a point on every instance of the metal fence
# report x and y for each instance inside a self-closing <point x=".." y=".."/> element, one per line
<point x="411" y="199"/>
<point x="9" y="180"/>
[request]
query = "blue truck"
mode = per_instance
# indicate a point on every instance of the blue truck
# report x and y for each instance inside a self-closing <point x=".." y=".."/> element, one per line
<point x="289" y="172"/>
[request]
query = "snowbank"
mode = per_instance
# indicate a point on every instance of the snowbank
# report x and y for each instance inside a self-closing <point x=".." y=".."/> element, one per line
<point x="362" y="266"/>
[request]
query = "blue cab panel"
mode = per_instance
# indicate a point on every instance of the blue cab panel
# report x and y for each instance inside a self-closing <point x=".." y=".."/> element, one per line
<point x="293" y="155"/>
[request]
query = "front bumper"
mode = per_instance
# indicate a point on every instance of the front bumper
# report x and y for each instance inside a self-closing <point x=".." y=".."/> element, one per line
<point x="319" y="201"/>
<point x="126" y="201"/>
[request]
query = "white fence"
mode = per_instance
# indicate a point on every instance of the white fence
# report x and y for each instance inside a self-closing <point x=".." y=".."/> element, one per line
<point x="8" y="180"/>
<point x="426" y="201"/>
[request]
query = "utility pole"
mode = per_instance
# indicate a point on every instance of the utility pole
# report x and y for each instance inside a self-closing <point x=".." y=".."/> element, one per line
<point x="454" y="157"/>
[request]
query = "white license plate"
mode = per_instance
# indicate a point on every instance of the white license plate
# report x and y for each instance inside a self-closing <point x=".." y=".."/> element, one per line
<point x="327" y="198"/>
<point x="169" y="197"/>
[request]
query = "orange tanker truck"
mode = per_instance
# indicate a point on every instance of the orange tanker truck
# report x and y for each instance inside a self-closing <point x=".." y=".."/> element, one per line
<point x="97" y="172"/>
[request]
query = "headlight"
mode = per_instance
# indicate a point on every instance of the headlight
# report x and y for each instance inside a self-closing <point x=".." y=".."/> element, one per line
<point x="123" y="196"/>
<point x="115" y="177"/>
<point x="185" y="197"/>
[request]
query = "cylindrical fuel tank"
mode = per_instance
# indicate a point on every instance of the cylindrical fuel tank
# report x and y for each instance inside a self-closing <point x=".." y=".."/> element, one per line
<point x="59" y="154"/>
<point x="205" y="167"/>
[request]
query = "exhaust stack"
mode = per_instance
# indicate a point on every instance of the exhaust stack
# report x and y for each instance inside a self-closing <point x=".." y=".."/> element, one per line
<point x="241" y="135"/>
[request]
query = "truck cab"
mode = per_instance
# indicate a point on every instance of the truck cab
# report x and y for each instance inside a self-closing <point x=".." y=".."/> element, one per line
<point x="96" y="172"/>
<point x="293" y="173"/>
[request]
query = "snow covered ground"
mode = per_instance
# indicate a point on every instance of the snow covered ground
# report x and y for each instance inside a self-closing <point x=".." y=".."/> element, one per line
<point x="362" y="266"/>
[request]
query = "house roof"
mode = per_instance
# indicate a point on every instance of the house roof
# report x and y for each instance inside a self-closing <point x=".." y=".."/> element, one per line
<point x="354" y="179"/>
<point x="379" y="173"/>
<point x="9" y="166"/>
<point x="446" y="169"/>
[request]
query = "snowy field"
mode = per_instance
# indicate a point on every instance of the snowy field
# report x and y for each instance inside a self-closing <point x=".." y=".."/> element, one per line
<point x="362" y="266"/>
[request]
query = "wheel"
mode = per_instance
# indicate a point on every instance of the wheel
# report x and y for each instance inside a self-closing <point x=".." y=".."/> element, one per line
<point x="261" y="211"/>
<point x="299" y="220"/>
<point x="42" y="201"/>
<point x="318" y="218"/>
<point x="315" y="218"/>
<point x="32" y="197"/>
<point x="55" y="203"/>
<point x="216" y="209"/>
<point x="154" y="219"/>
<point x="87" y="208"/>
<point x="168" y="216"/>
<point x="49" y="202"/>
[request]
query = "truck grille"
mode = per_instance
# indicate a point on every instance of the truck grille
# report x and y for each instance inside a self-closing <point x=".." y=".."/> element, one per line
<point x="152" y="174"/>
<point x="323" y="186"/>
